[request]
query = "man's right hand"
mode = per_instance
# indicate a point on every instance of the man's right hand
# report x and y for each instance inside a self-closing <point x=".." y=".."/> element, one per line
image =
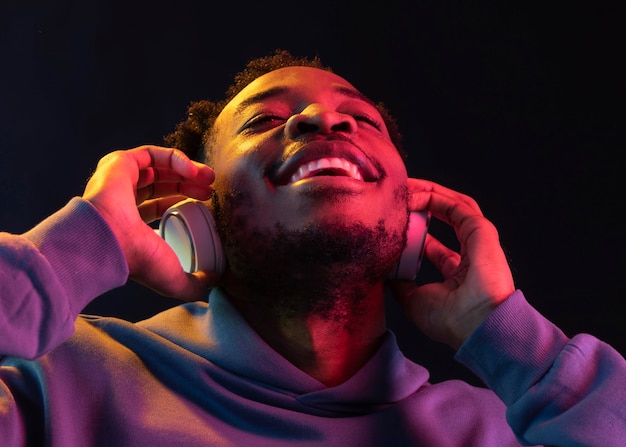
<point x="134" y="187"/>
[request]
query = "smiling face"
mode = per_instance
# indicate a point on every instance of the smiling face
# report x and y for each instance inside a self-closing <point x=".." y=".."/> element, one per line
<point x="301" y="151"/>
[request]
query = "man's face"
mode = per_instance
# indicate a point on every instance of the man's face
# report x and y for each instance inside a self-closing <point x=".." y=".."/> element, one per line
<point x="301" y="148"/>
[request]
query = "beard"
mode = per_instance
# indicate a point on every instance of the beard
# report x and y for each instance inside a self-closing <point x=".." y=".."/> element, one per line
<point x="326" y="268"/>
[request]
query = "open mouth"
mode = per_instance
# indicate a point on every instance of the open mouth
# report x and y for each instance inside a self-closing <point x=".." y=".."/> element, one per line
<point x="328" y="166"/>
<point x="329" y="159"/>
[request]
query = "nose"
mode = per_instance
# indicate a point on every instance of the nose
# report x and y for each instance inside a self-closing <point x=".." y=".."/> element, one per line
<point x="319" y="119"/>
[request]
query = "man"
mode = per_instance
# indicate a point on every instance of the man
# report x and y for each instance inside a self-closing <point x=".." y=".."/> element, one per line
<point x="311" y="199"/>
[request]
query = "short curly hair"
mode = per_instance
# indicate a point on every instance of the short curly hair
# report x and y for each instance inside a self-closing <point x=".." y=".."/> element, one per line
<point x="192" y="134"/>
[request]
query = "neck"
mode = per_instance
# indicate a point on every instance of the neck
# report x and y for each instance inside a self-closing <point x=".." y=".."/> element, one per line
<point x="330" y="347"/>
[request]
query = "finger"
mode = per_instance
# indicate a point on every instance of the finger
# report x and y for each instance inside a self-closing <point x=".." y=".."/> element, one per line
<point x="154" y="175"/>
<point x="460" y="215"/>
<point x="185" y="286"/>
<point x="153" y="209"/>
<point x="421" y="191"/>
<point x="415" y="300"/>
<point x="178" y="162"/>
<point x="444" y="259"/>
<point x="158" y="190"/>
<point x="403" y="291"/>
<point x="199" y="283"/>
<point x="174" y="159"/>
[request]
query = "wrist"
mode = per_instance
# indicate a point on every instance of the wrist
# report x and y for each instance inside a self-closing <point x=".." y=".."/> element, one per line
<point x="474" y="318"/>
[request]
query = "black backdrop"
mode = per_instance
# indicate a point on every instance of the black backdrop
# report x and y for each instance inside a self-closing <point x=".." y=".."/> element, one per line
<point x="518" y="106"/>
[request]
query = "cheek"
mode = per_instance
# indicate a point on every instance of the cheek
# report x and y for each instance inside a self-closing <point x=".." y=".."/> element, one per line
<point x="394" y="208"/>
<point x="241" y="197"/>
<point x="232" y="150"/>
<point x="395" y="190"/>
<point x="235" y="169"/>
<point x="397" y="169"/>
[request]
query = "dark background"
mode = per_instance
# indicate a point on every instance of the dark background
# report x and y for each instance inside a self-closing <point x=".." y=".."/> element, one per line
<point x="517" y="106"/>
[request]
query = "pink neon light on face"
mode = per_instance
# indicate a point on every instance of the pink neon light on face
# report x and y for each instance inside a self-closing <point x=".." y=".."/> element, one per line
<point x="306" y="147"/>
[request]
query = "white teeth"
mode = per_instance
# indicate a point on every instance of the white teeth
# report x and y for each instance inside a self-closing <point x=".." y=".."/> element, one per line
<point x="311" y="168"/>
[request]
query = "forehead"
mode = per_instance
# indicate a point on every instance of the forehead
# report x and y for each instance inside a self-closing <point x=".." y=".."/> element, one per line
<point x="296" y="81"/>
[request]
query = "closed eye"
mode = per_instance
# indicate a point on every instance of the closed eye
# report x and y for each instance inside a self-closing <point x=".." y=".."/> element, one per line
<point x="368" y="120"/>
<point x="260" y="121"/>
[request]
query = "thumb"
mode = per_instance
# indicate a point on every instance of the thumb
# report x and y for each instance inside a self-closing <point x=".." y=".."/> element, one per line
<point x="402" y="291"/>
<point x="183" y="286"/>
<point x="197" y="285"/>
<point x="408" y="296"/>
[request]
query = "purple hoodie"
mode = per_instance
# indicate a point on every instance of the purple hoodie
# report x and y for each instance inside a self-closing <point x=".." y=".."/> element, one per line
<point x="197" y="374"/>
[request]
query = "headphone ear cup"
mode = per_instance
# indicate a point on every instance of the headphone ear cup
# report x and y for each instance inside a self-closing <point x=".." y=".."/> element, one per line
<point x="411" y="257"/>
<point x="190" y="230"/>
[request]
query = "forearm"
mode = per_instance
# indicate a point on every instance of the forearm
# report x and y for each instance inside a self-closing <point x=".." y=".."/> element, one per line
<point x="50" y="273"/>
<point x="558" y="391"/>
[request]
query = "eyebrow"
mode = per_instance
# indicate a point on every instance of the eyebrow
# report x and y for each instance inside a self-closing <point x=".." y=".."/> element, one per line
<point x="276" y="91"/>
<point x="354" y="94"/>
<point x="258" y="97"/>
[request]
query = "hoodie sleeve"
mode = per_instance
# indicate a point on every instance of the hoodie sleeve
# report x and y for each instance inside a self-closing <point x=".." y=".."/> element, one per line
<point x="48" y="275"/>
<point x="558" y="391"/>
